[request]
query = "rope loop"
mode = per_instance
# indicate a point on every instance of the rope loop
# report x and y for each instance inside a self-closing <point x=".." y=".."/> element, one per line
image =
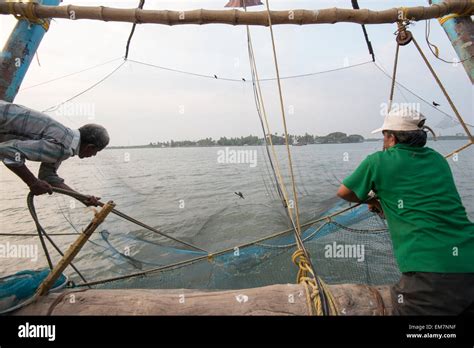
<point x="446" y="18"/>
<point x="403" y="36"/>
<point x="304" y="269"/>
<point x="28" y="14"/>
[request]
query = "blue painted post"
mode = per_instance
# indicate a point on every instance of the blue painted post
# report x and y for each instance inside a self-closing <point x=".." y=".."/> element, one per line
<point x="460" y="31"/>
<point x="16" y="56"/>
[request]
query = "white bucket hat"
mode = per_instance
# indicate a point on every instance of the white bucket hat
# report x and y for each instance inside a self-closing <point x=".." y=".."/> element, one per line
<point x="402" y="120"/>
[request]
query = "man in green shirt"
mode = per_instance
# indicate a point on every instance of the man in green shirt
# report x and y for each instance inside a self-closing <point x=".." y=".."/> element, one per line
<point x="433" y="239"/>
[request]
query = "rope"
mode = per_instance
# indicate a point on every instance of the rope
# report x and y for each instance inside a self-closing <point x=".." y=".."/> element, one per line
<point x="28" y="14"/>
<point x="441" y="86"/>
<point x="381" y="69"/>
<point x="267" y="132"/>
<point x="273" y="184"/>
<point x="286" y="246"/>
<point x="314" y="289"/>
<point x="260" y="105"/>
<point x="39" y="229"/>
<point x="322" y="297"/>
<point x="317" y="73"/>
<point x="71" y="74"/>
<point x="282" y="108"/>
<point x="212" y="255"/>
<point x="34" y="235"/>
<point x="68" y="220"/>
<point x="59" y="299"/>
<point x="358" y="230"/>
<point x="55" y="107"/>
<point x="315" y="232"/>
<point x="246" y="79"/>
<point x="140" y="6"/>
<point x="431" y="45"/>
<point x="268" y="137"/>
<point x="42" y="232"/>
<point x="446" y="18"/>
<point x="401" y="29"/>
<point x="81" y="198"/>
<point x="392" y="89"/>
<point x="355" y="6"/>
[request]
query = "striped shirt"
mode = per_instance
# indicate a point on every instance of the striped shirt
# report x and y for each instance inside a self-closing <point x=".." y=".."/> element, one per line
<point x="27" y="134"/>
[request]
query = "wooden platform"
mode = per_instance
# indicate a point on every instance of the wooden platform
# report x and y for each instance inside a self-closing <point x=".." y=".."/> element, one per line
<point x="281" y="299"/>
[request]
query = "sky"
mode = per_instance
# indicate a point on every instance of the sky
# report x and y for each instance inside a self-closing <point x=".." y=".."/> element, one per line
<point x="139" y="104"/>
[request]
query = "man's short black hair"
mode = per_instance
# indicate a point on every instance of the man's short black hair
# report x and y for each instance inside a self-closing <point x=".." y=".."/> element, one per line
<point x="416" y="138"/>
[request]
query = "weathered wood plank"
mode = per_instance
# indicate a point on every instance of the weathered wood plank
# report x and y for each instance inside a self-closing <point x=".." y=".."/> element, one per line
<point x="281" y="299"/>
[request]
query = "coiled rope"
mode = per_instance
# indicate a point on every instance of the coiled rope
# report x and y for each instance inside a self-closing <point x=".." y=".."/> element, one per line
<point x="314" y="289"/>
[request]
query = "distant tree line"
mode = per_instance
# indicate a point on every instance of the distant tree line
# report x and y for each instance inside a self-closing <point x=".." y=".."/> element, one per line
<point x="252" y="140"/>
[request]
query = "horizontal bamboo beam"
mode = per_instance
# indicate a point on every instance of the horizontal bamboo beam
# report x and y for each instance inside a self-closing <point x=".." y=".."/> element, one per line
<point x="239" y="17"/>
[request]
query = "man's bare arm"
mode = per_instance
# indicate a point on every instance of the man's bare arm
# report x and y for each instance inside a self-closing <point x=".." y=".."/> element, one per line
<point x="23" y="173"/>
<point x="346" y="194"/>
<point x="36" y="186"/>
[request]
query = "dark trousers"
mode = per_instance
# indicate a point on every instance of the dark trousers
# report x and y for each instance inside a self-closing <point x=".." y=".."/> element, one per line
<point x="423" y="293"/>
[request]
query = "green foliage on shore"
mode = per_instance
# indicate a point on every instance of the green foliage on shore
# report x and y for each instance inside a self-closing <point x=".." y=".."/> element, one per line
<point x="253" y="140"/>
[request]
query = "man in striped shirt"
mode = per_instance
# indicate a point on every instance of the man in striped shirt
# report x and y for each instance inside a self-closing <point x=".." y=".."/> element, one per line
<point x="27" y="134"/>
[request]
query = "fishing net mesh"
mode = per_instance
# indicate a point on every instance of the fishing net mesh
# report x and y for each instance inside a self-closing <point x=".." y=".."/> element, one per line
<point x="353" y="247"/>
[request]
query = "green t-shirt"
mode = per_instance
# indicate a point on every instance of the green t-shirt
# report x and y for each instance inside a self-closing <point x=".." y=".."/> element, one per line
<point x="427" y="221"/>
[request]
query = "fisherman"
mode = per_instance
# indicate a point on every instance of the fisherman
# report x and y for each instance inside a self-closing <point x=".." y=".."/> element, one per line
<point x="27" y="134"/>
<point x="433" y="239"/>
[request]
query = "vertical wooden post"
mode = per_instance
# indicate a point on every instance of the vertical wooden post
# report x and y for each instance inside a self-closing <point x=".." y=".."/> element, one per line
<point x="74" y="249"/>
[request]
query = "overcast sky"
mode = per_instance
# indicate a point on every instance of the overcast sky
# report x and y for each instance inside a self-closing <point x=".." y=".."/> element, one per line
<point x="140" y="104"/>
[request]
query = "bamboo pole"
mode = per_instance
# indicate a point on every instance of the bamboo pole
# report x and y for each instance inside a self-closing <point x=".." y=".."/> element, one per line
<point x="238" y="17"/>
<point x="459" y="150"/>
<point x="448" y="98"/>
<point x="74" y="249"/>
